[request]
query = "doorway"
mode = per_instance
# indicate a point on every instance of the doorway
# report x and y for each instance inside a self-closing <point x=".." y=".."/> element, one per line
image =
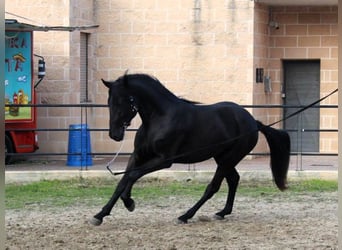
<point x="302" y="87"/>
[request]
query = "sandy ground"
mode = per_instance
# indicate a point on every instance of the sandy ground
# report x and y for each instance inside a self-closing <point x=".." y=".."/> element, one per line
<point x="277" y="222"/>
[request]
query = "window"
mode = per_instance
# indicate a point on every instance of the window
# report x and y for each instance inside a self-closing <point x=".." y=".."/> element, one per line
<point x="84" y="63"/>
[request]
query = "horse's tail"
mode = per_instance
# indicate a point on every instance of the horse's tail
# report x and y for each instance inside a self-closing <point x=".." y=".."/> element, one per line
<point x="279" y="143"/>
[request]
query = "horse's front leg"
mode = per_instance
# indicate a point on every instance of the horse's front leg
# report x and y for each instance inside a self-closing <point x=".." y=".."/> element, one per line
<point x="98" y="218"/>
<point x="126" y="195"/>
<point x="135" y="174"/>
<point x="125" y="186"/>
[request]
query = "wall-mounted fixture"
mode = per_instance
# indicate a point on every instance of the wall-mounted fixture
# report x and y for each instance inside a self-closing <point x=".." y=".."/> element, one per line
<point x="267" y="84"/>
<point x="271" y="21"/>
<point x="274" y="25"/>
<point x="41" y="69"/>
<point x="259" y="75"/>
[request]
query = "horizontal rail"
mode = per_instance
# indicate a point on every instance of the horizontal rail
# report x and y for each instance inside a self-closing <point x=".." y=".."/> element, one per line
<point x="91" y="105"/>
<point x="129" y="153"/>
<point x="135" y="129"/>
<point x="66" y="129"/>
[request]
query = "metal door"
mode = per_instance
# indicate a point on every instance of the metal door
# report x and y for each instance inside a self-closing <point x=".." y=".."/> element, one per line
<point x="302" y="87"/>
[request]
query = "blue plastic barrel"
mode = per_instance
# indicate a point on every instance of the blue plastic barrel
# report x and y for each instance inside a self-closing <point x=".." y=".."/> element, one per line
<point x="79" y="146"/>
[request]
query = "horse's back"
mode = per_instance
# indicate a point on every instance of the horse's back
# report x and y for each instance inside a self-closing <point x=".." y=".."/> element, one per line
<point x="230" y="113"/>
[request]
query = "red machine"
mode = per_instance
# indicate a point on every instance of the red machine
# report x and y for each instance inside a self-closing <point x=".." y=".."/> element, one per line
<point x="20" y="117"/>
<point x="20" y="97"/>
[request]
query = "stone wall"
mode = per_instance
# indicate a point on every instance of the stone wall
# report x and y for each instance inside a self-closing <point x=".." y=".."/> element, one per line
<point x="201" y="50"/>
<point x="309" y="33"/>
<point x="205" y="51"/>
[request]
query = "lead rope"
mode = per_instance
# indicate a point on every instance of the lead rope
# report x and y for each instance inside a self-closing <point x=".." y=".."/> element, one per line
<point x="116" y="155"/>
<point x="302" y="109"/>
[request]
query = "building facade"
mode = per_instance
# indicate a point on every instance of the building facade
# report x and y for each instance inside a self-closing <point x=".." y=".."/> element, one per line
<point x="249" y="52"/>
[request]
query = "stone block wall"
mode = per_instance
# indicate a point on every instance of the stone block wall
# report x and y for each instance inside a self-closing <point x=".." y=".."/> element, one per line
<point x="200" y="50"/>
<point x="205" y="51"/>
<point x="309" y="33"/>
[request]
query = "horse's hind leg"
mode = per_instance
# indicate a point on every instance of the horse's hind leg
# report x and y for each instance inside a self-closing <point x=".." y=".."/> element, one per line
<point x="232" y="178"/>
<point x="228" y="163"/>
<point x="211" y="189"/>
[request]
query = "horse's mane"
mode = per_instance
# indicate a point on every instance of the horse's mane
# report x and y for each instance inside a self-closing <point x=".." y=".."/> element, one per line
<point x="189" y="101"/>
<point x="158" y="86"/>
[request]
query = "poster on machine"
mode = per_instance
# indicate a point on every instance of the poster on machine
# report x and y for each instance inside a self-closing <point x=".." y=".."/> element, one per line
<point x="18" y="74"/>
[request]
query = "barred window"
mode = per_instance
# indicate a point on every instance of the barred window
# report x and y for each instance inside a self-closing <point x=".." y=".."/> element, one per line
<point x="84" y="63"/>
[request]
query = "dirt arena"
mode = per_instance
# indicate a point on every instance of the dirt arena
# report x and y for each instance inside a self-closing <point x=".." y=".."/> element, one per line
<point x="277" y="222"/>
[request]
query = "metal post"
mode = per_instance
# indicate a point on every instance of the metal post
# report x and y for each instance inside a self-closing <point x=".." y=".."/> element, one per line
<point x="299" y="143"/>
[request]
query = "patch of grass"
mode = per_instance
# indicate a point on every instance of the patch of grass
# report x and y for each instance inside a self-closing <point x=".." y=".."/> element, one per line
<point x="315" y="186"/>
<point x="89" y="192"/>
<point x="55" y="193"/>
<point x="252" y="188"/>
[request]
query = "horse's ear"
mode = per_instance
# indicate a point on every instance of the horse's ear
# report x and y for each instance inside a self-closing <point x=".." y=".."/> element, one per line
<point x="107" y="84"/>
<point x="125" y="78"/>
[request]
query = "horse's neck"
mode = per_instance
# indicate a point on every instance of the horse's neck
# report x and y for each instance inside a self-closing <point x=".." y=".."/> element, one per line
<point x="154" y="103"/>
<point x="151" y="107"/>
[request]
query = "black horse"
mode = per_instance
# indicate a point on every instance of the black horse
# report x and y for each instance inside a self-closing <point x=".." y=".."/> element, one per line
<point x="175" y="130"/>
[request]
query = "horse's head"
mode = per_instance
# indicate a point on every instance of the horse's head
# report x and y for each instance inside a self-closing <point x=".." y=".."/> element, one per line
<point x="122" y="107"/>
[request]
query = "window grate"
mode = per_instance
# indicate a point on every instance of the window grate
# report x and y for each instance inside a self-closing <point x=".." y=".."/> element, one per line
<point x="84" y="63"/>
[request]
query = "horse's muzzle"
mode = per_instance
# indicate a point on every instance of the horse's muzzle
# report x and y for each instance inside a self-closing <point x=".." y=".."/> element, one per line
<point x="118" y="134"/>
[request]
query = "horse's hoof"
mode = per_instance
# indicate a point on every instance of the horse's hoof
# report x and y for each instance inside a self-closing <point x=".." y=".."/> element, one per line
<point x="181" y="220"/>
<point x="129" y="204"/>
<point x="95" y="222"/>
<point x="131" y="207"/>
<point x="218" y="217"/>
